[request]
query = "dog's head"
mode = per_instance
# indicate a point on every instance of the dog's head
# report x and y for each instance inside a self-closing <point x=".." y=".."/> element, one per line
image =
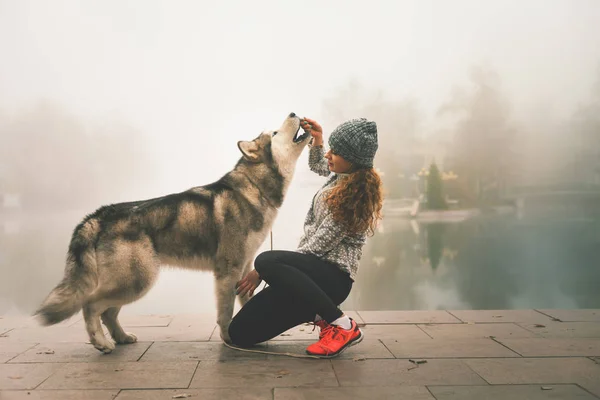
<point x="281" y="147"/>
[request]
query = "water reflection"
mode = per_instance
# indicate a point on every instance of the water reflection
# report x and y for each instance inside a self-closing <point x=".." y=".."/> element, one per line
<point x="482" y="263"/>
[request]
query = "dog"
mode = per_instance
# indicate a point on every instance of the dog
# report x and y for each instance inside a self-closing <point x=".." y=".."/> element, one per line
<point x="115" y="253"/>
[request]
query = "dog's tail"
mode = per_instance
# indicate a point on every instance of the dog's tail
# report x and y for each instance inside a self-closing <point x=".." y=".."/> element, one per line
<point x="80" y="279"/>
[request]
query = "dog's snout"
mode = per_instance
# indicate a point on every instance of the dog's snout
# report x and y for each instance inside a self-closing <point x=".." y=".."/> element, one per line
<point x="292" y="115"/>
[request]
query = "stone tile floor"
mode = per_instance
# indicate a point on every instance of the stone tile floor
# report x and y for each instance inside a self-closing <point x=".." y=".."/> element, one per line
<point x="455" y="354"/>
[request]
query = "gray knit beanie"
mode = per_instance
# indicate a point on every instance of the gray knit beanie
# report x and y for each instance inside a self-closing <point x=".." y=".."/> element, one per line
<point x="356" y="141"/>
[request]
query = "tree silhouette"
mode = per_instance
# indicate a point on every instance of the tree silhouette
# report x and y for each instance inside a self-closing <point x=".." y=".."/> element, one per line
<point x="435" y="197"/>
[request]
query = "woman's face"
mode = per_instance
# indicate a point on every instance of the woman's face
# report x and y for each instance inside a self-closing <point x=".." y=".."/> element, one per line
<point x="337" y="163"/>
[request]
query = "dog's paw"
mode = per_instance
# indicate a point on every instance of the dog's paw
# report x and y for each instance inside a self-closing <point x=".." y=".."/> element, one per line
<point x="128" y="338"/>
<point x="105" y="346"/>
<point x="225" y="337"/>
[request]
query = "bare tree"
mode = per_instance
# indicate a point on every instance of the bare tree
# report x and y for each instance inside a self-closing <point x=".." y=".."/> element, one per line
<point x="482" y="141"/>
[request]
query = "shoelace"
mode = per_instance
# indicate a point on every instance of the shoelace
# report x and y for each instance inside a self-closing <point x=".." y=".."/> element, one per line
<point x="327" y="337"/>
<point x="323" y="330"/>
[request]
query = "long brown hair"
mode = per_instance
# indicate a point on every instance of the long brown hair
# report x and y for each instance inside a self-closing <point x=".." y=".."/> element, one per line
<point x="356" y="201"/>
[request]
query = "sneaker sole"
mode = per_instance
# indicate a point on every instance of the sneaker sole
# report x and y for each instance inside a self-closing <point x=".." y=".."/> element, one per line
<point x="351" y="343"/>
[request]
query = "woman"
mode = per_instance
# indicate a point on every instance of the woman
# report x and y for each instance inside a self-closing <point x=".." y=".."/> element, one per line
<point x="309" y="284"/>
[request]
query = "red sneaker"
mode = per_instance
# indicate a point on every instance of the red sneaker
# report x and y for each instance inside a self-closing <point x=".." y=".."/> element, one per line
<point x="323" y="326"/>
<point x="335" y="340"/>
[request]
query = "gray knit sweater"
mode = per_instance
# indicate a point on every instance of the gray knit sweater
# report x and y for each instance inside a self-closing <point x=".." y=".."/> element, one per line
<point x="324" y="237"/>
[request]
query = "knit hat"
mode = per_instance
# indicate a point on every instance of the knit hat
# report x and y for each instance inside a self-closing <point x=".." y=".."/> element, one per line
<point x="356" y="141"/>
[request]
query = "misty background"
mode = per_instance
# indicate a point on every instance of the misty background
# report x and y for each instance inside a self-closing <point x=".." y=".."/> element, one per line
<point x="110" y="101"/>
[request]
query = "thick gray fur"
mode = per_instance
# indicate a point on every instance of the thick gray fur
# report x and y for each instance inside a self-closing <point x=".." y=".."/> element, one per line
<point x="116" y="252"/>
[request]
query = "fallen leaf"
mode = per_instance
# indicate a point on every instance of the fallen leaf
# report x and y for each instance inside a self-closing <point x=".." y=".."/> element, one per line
<point x="286" y="334"/>
<point x="546" y="387"/>
<point x="282" y="373"/>
<point x="416" y="362"/>
<point x="497" y="316"/>
<point x="46" y="352"/>
<point x="539" y="326"/>
<point x="358" y="359"/>
<point x="181" y="396"/>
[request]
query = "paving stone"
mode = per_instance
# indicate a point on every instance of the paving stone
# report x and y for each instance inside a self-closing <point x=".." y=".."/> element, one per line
<point x="448" y="348"/>
<point x="591" y="386"/>
<point x="580" y="315"/>
<point x="468" y="331"/>
<point x="356" y="317"/>
<point x="203" y="394"/>
<point x="564" y="329"/>
<point x="368" y="348"/>
<point x="196" y="351"/>
<point x="59" y="395"/>
<point x="135" y="321"/>
<point x="503" y="392"/>
<point x="126" y="375"/>
<point x="8" y="323"/>
<point x="183" y="320"/>
<point x="403" y="372"/>
<point x="536" y="370"/>
<point x="199" y="332"/>
<point x="274" y="373"/>
<point x="80" y="352"/>
<point x="358" y="393"/>
<point x="394" y="332"/>
<point x="300" y="332"/>
<point x="50" y="334"/>
<point x="408" y="317"/>
<point x="11" y="350"/>
<point x="553" y="347"/>
<point x="495" y="316"/>
<point x="25" y="376"/>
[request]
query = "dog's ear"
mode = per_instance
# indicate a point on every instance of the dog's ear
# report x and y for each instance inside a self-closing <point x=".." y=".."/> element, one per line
<point x="249" y="150"/>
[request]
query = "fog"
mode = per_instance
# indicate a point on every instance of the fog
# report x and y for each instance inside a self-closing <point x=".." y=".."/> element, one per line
<point x="108" y="101"/>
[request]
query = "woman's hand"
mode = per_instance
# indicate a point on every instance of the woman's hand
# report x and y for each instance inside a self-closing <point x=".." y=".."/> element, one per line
<point x="311" y="126"/>
<point x="248" y="284"/>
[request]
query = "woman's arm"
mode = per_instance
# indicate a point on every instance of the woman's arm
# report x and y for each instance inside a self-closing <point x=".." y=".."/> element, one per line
<point x="317" y="162"/>
<point x="316" y="157"/>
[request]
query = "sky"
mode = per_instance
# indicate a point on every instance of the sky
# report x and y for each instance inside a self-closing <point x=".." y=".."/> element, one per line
<point x="197" y="76"/>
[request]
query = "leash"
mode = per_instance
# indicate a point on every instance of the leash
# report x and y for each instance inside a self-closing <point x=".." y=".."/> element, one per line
<point x="271" y="352"/>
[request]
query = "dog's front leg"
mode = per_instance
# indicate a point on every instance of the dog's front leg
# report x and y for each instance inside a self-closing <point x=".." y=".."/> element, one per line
<point x="225" y="288"/>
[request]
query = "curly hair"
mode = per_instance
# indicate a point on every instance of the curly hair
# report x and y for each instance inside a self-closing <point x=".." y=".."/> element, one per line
<point x="356" y="201"/>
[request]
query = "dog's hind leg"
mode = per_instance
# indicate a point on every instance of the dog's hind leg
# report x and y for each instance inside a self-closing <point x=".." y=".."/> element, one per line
<point x="109" y="317"/>
<point x="91" y="315"/>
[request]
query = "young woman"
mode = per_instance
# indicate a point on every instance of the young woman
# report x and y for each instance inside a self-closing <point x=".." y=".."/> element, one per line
<point x="309" y="284"/>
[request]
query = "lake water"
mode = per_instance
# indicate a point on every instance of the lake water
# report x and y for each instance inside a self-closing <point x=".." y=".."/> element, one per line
<point x="483" y="263"/>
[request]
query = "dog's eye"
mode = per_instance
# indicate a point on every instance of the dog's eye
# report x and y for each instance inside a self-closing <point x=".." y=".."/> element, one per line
<point x="274" y="133"/>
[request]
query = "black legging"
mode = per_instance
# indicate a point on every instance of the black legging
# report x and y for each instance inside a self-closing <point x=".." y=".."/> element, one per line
<point x="300" y="286"/>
